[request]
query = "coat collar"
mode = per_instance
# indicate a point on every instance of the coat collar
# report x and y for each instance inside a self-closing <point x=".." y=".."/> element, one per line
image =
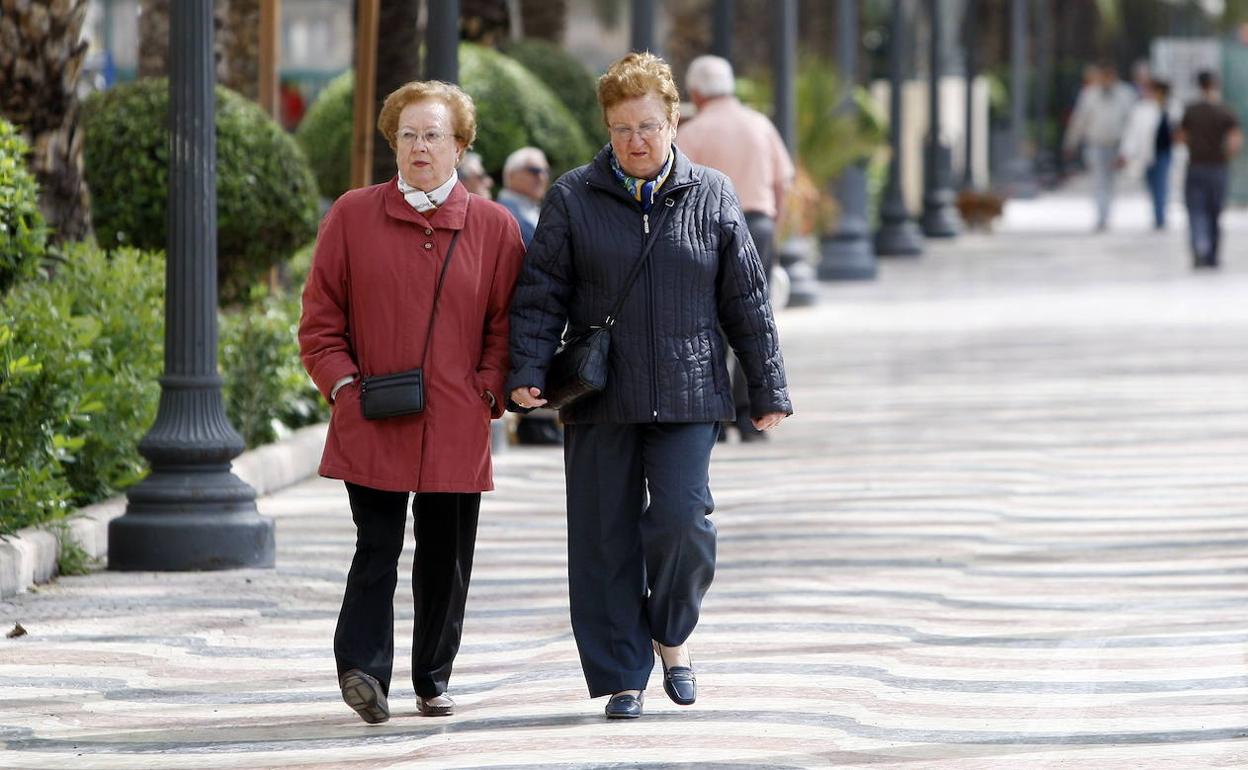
<point x="449" y="216"/>
<point x="601" y="175"/>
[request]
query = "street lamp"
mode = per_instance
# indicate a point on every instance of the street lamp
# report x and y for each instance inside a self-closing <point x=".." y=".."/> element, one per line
<point x="847" y="254"/>
<point x="940" y="219"/>
<point x="191" y="512"/>
<point x="898" y="235"/>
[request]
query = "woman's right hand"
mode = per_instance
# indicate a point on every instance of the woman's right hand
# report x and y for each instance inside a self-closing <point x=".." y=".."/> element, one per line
<point x="527" y="397"/>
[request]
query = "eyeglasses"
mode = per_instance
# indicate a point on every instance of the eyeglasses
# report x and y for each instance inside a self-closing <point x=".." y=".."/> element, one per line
<point x="537" y="170"/>
<point x="646" y="131"/>
<point x="432" y="137"/>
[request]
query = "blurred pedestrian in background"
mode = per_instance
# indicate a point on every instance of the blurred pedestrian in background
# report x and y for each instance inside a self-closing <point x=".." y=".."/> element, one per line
<point x="741" y="142"/>
<point x="1147" y="145"/>
<point x="411" y="273"/>
<point x="1213" y="136"/>
<point x="1097" y="124"/>
<point x="641" y="545"/>
<point x="526" y="175"/>
<point x="473" y="175"/>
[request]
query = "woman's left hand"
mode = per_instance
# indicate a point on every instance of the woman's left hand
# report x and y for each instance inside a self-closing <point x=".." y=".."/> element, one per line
<point x="768" y="421"/>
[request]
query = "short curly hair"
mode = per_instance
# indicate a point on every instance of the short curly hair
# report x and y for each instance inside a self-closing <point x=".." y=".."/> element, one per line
<point x="463" y="110"/>
<point x="637" y="75"/>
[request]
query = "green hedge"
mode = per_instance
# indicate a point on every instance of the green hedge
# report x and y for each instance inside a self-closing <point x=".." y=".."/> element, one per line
<point x="23" y="234"/>
<point x="514" y="109"/>
<point x="267" y="392"/>
<point x="325" y="135"/>
<point x="568" y="79"/>
<point x="80" y="357"/>
<point x="266" y="194"/>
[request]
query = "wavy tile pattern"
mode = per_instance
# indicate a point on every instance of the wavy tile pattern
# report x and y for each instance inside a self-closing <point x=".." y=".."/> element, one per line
<point x="1007" y="529"/>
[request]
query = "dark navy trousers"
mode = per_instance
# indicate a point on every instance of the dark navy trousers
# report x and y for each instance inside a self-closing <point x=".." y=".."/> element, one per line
<point x="641" y="550"/>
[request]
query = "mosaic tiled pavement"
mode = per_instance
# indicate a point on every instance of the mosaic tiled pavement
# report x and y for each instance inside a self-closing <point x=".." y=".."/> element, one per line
<point x="1007" y="529"/>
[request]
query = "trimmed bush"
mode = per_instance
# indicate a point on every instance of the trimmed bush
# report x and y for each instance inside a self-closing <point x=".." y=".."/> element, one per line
<point x="23" y="234"/>
<point x="568" y="79"/>
<point x="79" y="359"/>
<point x="266" y="195"/>
<point x="267" y="392"/>
<point x="514" y="109"/>
<point x="325" y="135"/>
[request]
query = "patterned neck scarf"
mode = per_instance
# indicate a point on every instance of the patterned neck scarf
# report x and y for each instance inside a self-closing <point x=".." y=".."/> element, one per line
<point x="643" y="190"/>
<point x="427" y="201"/>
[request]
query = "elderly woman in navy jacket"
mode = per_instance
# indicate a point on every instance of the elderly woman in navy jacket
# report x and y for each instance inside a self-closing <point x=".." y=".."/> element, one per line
<point x="641" y="550"/>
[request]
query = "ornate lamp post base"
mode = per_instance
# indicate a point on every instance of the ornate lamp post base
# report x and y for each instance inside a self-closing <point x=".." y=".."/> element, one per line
<point x="899" y="238"/>
<point x="940" y="217"/>
<point x="846" y="257"/>
<point x="189" y="541"/>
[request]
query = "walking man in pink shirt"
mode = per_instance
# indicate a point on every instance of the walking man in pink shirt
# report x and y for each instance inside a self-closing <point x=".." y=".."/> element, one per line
<point x="742" y="143"/>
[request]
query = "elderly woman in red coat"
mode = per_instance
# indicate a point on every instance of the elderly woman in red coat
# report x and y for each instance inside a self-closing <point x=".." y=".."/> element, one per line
<point x="369" y="310"/>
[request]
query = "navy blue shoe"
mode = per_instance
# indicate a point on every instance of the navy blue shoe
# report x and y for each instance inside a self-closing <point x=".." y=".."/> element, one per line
<point x="679" y="682"/>
<point x="625" y="706"/>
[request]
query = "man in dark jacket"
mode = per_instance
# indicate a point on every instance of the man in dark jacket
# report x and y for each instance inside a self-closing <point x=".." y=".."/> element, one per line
<point x="641" y="548"/>
<point x="1213" y="137"/>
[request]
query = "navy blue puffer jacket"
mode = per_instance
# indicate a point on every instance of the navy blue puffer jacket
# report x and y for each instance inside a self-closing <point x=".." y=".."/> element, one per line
<point x="667" y="357"/>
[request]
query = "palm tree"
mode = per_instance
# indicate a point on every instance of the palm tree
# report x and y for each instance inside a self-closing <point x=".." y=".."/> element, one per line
<point x="41" y="51"/>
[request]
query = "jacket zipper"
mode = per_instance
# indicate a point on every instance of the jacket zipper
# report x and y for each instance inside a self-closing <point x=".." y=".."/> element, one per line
<point x="654" y="356"/>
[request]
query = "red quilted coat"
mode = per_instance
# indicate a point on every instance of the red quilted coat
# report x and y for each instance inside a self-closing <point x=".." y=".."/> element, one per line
<point x="366" y="307"/>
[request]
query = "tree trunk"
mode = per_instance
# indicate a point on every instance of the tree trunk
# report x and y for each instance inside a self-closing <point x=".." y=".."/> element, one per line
<point x="41" y="51"/>
<point x="154" y="38"/>
<point x="485" y="22"/>
<point x="545" y="19"/>
<point x="398" y="62"/>
<point x="241" y="44"/>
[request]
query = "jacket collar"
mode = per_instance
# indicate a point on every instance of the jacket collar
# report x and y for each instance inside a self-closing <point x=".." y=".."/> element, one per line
<point x="449" y="216"/>
<point x="601" y="176"/>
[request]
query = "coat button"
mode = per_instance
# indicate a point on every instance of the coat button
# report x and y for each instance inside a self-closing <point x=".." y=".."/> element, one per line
<point x="428" y="231"/>
<point x="428" y="245"/>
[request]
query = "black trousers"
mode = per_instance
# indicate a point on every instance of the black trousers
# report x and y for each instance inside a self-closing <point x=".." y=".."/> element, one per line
<point x="641" y="550"/>
<point x="446" y="534"/>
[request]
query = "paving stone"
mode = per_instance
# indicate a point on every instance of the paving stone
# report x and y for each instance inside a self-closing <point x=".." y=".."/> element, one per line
<point x="1005" y="529"/>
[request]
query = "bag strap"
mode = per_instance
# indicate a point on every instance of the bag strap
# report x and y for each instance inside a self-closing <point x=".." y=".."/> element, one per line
<point x="636" y="270"/>
<point x="450" y="252"/>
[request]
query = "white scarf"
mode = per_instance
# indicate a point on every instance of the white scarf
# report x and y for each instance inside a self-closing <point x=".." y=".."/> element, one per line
<point x="428" y="201"/>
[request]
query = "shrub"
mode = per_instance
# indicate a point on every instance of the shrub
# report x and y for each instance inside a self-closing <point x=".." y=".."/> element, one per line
<point x="23" y="234"/>
<point x="325" y="135"/>
<point x="80" y="358"/>
<point x="266" y="195"/>
<point x="514" y="109"/>
<point x="267" y="392"/>
<point x="568" y="79"/>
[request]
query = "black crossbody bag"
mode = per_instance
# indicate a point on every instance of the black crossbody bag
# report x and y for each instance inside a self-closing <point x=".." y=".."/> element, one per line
<point x="579" y="367"/>
<point x="401" y="393"/>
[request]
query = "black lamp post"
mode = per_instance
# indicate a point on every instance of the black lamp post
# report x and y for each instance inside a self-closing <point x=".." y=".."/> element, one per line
<point x="442" y="41"/>
<point x="803" y="287"/>
<point x="898" y="235"/>
<point x="847" y="254"/>
<point x="1022" y="176"/>
<point x="940" y="218"/>
<point x="643" y="26"/>
<point x="722" y="25"/>
<point x="191" y="512"/>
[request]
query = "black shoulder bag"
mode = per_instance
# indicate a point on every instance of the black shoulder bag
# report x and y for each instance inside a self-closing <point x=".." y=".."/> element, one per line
<point x="579" y="366"/>
<point x="394" y="395"/>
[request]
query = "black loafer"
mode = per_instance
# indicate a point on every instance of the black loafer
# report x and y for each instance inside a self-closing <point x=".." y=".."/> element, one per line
<point x="679" y="682"/>
<point x="625" y="706"/>
<point x="363" y="694"/>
